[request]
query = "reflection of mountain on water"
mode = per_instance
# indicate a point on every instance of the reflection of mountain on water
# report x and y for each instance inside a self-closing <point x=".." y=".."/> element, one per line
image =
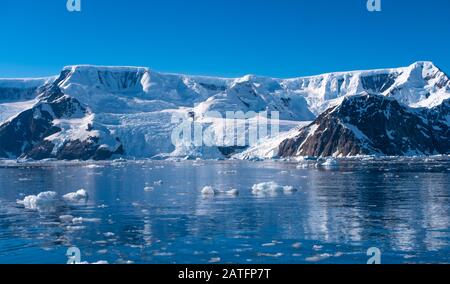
<point x="402" y="208"/>
<point x="388" y="207"/>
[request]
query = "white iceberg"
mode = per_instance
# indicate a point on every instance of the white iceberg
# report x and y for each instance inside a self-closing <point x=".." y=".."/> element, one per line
<point x="233" y="192"/>
<point x="330" y="163"/>
<point x="80" y="195"/>
<point x="318" y="257"/>
<point x="209" y="191"/>
<point x="271" y="188"/>
<point x="81" y="220"/>
<point x="44" y="201"/>
<point x="149" y="188"/>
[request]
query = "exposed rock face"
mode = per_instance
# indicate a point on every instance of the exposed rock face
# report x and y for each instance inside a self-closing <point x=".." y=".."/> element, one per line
<point x="58" y="126"/>
<point x="373" y="124"/>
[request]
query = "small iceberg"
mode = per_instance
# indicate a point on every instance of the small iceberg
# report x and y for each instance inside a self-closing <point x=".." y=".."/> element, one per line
<point x="271" y="188"/>
<point x="330" y="163"/>
<point x="149" y="188"/>
<point x="318" y="257"/>
<point x="81" y="220"/>
<point x="93" y="166"/>
<point x="49" y="201"/>
<point x="80" y="195"/>
<point x="44" y="201"/>
<point x="209" y="191"/>
<point x="233" y="192"/>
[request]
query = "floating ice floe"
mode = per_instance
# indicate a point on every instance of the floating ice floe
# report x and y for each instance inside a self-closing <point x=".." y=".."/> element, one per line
<point x="209" y="191"/>
<point x="232" y="172"/>
<point x="215" y="260"/>
<point x="330" y="163"/>
<point x="233" y="192"/>
<point x="274" y="255"/>
<point x="81" y="220"/>
<point x="102" y="251"/>
<point x="319" y="257"/>
<point x="271" y="188"/>
<point x="44" y="201"/>
<point x="77" y="220"/>
<point x="317" y="247"/>
<point x="80" y="195"/>
<point x="149" y="188"/>
<point x="49" y="201"/>
<point x="93" y="166"/>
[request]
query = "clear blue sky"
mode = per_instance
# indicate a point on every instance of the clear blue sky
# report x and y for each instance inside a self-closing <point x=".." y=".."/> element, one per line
<point x="281" y="38"/>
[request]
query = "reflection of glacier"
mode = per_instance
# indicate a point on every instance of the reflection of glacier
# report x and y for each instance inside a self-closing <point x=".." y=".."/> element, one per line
<point x="325" y="220"/>
<point x="377" y="210"/>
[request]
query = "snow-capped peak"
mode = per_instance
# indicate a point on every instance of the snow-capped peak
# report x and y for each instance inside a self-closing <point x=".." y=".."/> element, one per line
<point x="133" y="107"/>
<point x="421" y="84"/>
<point x="95" y="68"/>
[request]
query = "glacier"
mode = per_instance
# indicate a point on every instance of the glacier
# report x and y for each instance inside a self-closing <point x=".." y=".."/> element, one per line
<point x="101" y="112"/>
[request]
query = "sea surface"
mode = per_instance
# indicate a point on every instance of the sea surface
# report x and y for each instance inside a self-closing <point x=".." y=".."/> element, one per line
<point x="155" y="212"/>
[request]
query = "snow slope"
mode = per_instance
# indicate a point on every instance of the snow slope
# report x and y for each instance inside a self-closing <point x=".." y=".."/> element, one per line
<point x="138" y="88"/>
<point x="17" y="95"/>
<point x="420" y="84"/>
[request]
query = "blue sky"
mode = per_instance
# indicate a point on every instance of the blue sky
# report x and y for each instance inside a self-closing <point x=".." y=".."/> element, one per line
<point x="280" y="38"/>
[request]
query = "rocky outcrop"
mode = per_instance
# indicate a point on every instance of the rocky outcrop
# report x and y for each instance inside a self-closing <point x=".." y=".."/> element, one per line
<point x="59" y="127"/>
<point x="373" y="124"/>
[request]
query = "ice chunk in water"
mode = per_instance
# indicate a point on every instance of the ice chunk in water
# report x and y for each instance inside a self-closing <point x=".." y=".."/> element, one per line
<point x="80" y="195"/>
<point x="209" y="191"/>
<point x="319" y="257"/>
<point x="271" y="187"/>
<point x="233" y="192"/>
<point x="330" y="163"/>
<point x="44" y="201"/>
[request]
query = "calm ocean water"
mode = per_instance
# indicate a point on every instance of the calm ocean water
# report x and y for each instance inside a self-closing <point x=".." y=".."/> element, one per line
<point x="154" y="212"/>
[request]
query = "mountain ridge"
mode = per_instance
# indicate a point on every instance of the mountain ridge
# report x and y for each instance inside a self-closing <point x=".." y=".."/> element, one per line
<point x="373" y="125"/>
<point x="131" y="107"/>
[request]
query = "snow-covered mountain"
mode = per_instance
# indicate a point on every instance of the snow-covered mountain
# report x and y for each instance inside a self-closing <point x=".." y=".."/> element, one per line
<point x="56" y="126"/>
<point x="17" y="95"/>
<point x="21" y="89"/>
<point x="421" y="84"/>
<point x="373" y="125"/>
<point x="128" y="110"/>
